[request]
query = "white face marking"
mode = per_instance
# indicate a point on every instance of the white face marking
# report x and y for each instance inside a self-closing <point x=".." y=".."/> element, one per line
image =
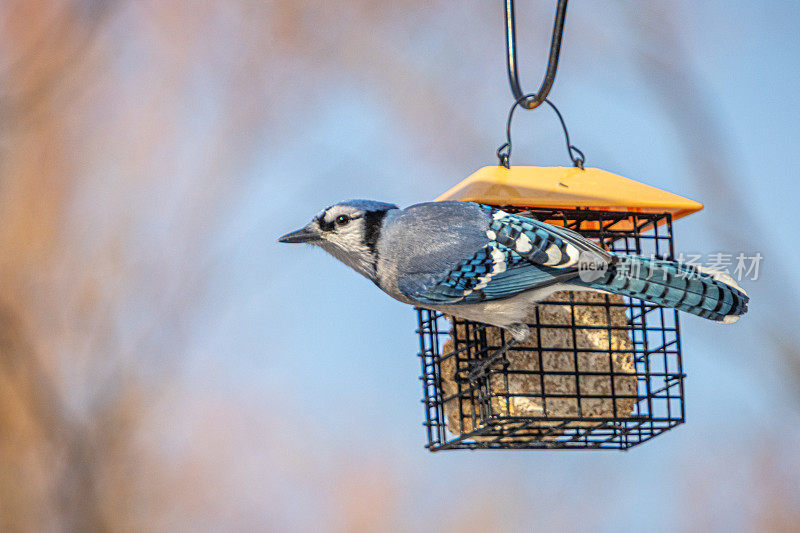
<point x="349" y="237"/>
<point x="346" y="241"/>
<point x="332" y="213"/>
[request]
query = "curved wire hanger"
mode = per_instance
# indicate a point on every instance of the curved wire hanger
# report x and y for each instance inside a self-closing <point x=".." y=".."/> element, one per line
<point x="504" y="152"/>
<point x="532" y="100"/>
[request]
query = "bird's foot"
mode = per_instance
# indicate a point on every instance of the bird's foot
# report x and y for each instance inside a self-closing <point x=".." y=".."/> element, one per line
<point x="479" y="368"/>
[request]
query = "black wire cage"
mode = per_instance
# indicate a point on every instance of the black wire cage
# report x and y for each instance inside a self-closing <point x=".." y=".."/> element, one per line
<point x="598" y="371"/>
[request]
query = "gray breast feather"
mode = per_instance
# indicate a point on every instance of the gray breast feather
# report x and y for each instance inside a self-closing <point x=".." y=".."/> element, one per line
<point x="429" y="240"/>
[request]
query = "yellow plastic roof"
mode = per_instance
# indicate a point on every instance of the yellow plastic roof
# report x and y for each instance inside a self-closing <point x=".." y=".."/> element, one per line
<point x="567" y="187"/>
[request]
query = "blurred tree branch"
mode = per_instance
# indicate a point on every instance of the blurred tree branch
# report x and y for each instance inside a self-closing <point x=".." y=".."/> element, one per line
<point x="78" y="374"/>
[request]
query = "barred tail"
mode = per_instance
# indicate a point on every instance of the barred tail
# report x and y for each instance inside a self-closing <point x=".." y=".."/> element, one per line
<point x="698" y="290"/>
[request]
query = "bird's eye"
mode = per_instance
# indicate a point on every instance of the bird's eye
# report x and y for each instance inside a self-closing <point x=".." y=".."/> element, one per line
<point x="342" y="220"/>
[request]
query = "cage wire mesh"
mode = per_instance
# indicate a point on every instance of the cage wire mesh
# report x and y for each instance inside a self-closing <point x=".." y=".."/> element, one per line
<point x="598" y="370"/>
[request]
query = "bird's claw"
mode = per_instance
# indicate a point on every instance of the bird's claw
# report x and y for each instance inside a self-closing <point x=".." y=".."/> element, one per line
<point x="477" y="369"/>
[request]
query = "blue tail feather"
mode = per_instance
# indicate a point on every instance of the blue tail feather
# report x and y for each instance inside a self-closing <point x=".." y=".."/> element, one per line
<point x="706" y="293"/>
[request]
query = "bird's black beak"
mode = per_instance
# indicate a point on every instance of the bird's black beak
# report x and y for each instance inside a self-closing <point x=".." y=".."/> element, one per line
<point x="307" y="234"/>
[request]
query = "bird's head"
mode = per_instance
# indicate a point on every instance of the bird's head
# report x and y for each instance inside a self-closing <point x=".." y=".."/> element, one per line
<point x="348" y="230"/>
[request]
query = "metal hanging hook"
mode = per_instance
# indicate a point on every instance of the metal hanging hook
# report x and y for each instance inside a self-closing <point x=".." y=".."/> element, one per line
<point x="533" y="100"/>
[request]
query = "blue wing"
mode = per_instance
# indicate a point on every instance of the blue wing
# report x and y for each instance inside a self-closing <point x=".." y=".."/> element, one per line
<point x="539" y="242"/>
<point x="493" y="273"/>
<point x="522" y="254"/>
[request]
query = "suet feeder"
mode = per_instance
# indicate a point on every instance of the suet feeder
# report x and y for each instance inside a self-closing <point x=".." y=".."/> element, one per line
<point x="598" y="370"/>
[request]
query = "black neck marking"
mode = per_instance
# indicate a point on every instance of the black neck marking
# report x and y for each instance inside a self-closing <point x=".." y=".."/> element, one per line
<point x="373" y="220"/>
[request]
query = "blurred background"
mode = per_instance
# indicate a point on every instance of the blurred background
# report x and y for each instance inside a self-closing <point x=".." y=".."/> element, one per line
<point x="166" y="365"/>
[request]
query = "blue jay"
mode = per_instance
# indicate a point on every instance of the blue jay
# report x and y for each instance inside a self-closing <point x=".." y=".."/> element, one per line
<point x="486" y="265"/>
